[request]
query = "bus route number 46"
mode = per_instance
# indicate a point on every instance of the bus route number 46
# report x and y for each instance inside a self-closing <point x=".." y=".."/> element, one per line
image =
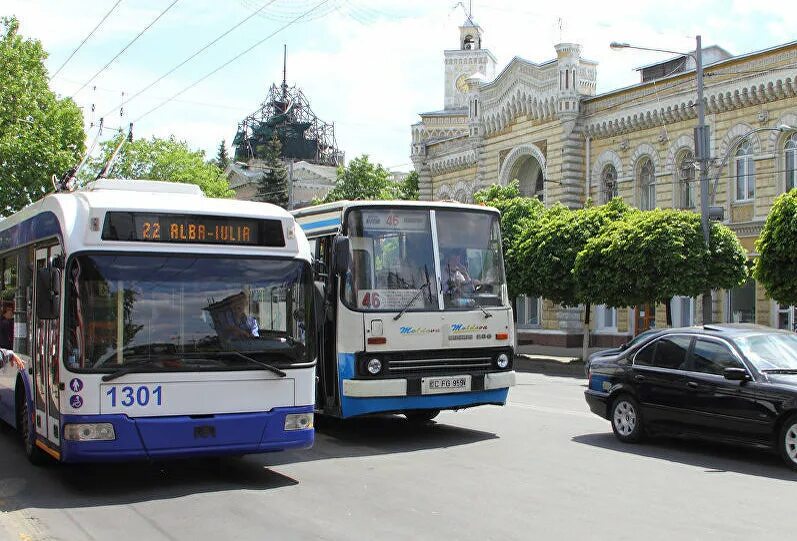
<point x="129" y="395"/>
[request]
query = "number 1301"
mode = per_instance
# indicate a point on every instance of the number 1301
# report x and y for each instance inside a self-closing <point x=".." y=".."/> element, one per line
<point x="128" y="396"/>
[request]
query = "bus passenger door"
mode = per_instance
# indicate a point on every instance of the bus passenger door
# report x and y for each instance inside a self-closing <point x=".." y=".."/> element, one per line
<point x="326" y="391"/>
<point x="45" y="356"/>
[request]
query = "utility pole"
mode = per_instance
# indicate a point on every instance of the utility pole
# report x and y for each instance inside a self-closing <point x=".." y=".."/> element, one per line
<point x="290" y="185"/>
<point x="703" y="156"/>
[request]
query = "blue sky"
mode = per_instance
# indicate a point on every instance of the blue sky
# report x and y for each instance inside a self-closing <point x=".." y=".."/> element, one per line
<point x="368" y="66"/>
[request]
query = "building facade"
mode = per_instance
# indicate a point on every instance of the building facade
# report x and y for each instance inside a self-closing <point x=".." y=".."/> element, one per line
<point x="306" y="181"/>
<point x="544" y="125"/>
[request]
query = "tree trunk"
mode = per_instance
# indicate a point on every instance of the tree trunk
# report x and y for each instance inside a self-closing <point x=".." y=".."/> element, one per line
<point x="668" y="306"/>
<point x="585" y="341"/>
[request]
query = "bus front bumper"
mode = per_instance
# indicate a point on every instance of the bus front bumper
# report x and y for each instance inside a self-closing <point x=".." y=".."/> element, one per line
<point x="361" y="397"/>
<point x="183" y="436"/>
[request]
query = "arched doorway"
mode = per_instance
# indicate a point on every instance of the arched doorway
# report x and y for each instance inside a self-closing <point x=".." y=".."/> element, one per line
<point x="526" y="163"/>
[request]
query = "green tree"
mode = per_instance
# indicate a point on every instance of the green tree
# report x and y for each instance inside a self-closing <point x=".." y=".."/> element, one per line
<point x="362" y="179"/>
<point x="408" y="189"/>
<point x="652" y="256"/>
<point x="160" y="159"/>
<point x="776" y="266"/>
<point x="272" y="187"/>
<point x="518" y="214"/>
<point x="222" y="158"/>
<point x="40" y="135"/>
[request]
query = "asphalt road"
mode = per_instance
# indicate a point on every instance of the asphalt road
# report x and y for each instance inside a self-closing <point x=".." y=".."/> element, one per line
<point x="541" y="468"/>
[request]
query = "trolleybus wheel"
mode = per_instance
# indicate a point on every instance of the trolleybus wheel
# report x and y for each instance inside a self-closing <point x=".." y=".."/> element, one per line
<point x="26" y="431"/>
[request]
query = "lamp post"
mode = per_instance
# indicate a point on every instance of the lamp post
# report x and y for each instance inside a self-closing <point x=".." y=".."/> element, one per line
<point x="702" y="147"/>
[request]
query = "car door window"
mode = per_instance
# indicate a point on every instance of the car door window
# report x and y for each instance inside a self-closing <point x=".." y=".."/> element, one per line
<point x="710" y="357"/>
<point x="645" y="355"/>
<point x="671" y="352"/>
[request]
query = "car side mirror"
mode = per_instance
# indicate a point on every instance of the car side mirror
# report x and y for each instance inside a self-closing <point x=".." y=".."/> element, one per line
<point x="341" y="249"/>
<point x="736" y="374"/>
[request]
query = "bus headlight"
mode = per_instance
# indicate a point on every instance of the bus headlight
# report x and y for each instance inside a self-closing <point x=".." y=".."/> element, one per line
<point x="89" y="432"/>
<point x="298" y="421"/>
<point x="374" y="366"/>
<point x="502" y="361"/>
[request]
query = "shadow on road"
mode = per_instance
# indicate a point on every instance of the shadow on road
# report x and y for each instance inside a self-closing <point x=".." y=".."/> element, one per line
<point x="378" y="435"/>
<point x="66" y="486"/>
<point x="713" y="457"/>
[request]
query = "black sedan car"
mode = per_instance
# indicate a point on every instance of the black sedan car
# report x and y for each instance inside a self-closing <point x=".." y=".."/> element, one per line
<point x="735" y="383"/>
<point x="610" y="353"/>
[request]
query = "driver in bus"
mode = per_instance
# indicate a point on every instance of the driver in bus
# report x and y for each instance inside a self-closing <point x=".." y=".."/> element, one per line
<point x="456" y="276"/>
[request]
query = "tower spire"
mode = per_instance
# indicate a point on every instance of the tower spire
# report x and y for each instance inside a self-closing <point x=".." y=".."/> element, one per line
<point x="284" y="72"/>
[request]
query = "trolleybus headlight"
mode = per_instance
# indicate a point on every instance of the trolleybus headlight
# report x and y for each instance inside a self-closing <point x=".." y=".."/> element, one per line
<point x="374" y="366"/>
<point x="298" y="421"/>
<point x="89" y="432"/>
<point x="502" y="361"/>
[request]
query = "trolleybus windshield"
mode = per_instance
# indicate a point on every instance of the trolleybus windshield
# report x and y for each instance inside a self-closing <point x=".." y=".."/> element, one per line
<point x="166" y="313"/>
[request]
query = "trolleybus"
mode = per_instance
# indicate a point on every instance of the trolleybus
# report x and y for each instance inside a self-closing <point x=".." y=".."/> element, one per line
<point x="153" y="322"/>
<point x="417" y="317"/>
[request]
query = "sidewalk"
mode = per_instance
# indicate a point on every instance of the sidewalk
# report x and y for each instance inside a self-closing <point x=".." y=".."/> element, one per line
<point x="552" y="361"/>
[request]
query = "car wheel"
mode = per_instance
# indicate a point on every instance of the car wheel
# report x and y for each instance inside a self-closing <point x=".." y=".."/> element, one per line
<point x="787" y="442"/>
<point x="421" y="417"/>
<point x="626" y="419"/>
<point x="26" y="431"/>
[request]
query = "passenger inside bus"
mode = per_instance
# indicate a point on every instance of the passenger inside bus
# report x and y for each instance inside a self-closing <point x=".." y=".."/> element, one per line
<point x="7" y="327"/>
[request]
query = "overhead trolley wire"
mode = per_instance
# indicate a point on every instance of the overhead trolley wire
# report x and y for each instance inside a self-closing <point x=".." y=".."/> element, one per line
<point x="233" y="59"/>
<point x="194" y="55"/>
<point x="162" y="13"/>
<point x="86" y="38"/>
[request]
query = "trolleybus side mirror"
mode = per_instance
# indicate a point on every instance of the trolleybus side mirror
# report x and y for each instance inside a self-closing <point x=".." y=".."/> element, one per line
<point x="48" y="292"/>
<point x="341" y="248"/>
<point x="319" y="301"/>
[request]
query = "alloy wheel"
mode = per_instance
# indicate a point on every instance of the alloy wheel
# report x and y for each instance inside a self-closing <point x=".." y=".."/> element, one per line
<point x="625" y="418"/>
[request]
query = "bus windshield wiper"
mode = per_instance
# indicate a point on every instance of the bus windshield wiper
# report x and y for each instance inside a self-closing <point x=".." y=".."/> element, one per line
<point x="129" y="369"/>
<point x="412" y="300"/>
<point x="267" y="366"/>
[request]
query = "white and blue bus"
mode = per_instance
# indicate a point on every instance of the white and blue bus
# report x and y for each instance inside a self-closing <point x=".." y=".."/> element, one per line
<point x="153" y="322"/>
<point x="417" y="316"/>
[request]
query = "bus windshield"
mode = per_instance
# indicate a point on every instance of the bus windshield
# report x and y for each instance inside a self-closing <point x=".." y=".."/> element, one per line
<point x="394" y="264"/>
<point x="176" y="312"/>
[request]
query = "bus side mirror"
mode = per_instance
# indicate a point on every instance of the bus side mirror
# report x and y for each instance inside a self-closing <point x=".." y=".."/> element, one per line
<point x="341" y="249"/>
<point x="48" y="292"/>
<point x="319" y="302"/>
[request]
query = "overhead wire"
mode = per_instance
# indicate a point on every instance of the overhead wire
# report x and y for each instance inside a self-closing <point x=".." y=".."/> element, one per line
<point x="85" y="39"/>
<point x="129" y="44"/>
<point x="233" y="59"/>
<point x="194" y="55"/>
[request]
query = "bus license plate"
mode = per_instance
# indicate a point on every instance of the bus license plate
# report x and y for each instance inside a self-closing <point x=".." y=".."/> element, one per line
<point x="448" y="384"/>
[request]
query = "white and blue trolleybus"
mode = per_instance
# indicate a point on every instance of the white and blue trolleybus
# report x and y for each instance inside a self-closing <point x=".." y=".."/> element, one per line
<point x="417" y="316"/>
<point x="153" y="322"/>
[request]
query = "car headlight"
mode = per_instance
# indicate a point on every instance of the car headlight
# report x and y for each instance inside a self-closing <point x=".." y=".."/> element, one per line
<point x="502" y="361"/>
<point x="298" y="421"/>
<point x="89" y="432"/>
<point x="374" y="366"/>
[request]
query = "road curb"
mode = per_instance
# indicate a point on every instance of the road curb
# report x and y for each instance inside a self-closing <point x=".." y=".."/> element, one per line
<point x="550" y="367"/>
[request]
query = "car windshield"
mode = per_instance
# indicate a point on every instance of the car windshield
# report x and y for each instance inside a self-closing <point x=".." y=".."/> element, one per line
<point x="775" y="351"/>
<point x="178" y="312"/>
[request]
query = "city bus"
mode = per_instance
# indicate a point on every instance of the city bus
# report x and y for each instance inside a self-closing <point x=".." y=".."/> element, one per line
<point x="152" y="322"/>
<point x="416" y="316"/>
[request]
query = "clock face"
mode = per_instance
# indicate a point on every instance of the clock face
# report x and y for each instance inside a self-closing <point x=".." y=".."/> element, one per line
<point x="461" y="83"/>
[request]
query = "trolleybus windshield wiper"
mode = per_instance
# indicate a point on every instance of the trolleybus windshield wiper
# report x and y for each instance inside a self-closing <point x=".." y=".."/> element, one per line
<point x="267" y="366"/>
<point x="129" y="369"/>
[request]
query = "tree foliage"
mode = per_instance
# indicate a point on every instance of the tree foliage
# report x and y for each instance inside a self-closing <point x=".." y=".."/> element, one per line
<point x="549" y="251"/>
<point x="408" y="189"/>
<point x="776" y="266"/>
<point x="652" y="256"/>
<point x="272" y="187"/>
<point x="518" y="214"/>
<point x="40" y="135"/>
<point x="160" y="159"/>
<point x="362" y="179"/>
<point x="222" y="157"/>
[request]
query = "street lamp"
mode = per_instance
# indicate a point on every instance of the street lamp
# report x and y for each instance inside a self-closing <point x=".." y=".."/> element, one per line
<point x="702" y="147"/>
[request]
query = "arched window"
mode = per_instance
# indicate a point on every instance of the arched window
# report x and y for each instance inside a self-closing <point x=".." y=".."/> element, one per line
<point x="791" y="162"/>
<point x="608" y="183"/>
<point x="745" y="172"/>
<point x="647" y="184"/>
<point x="685" y="184"/>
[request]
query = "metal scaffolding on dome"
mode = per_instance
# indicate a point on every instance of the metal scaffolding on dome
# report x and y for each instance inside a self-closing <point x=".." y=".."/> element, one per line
<point x="286" y="112"/>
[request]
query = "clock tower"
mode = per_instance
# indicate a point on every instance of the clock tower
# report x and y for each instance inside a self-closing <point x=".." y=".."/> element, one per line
<point x="464" y="62"/>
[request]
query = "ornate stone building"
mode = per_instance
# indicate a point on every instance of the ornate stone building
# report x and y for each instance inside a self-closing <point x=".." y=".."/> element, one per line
<point x="544" y="125"/>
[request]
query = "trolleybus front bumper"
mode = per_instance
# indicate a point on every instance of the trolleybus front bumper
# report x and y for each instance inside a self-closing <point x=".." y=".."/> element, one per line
<point x="188" y="436"/>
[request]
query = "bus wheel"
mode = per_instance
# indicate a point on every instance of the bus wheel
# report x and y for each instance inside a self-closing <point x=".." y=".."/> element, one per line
<point x="421" y="417"/>
<point x="26" y="431"/>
